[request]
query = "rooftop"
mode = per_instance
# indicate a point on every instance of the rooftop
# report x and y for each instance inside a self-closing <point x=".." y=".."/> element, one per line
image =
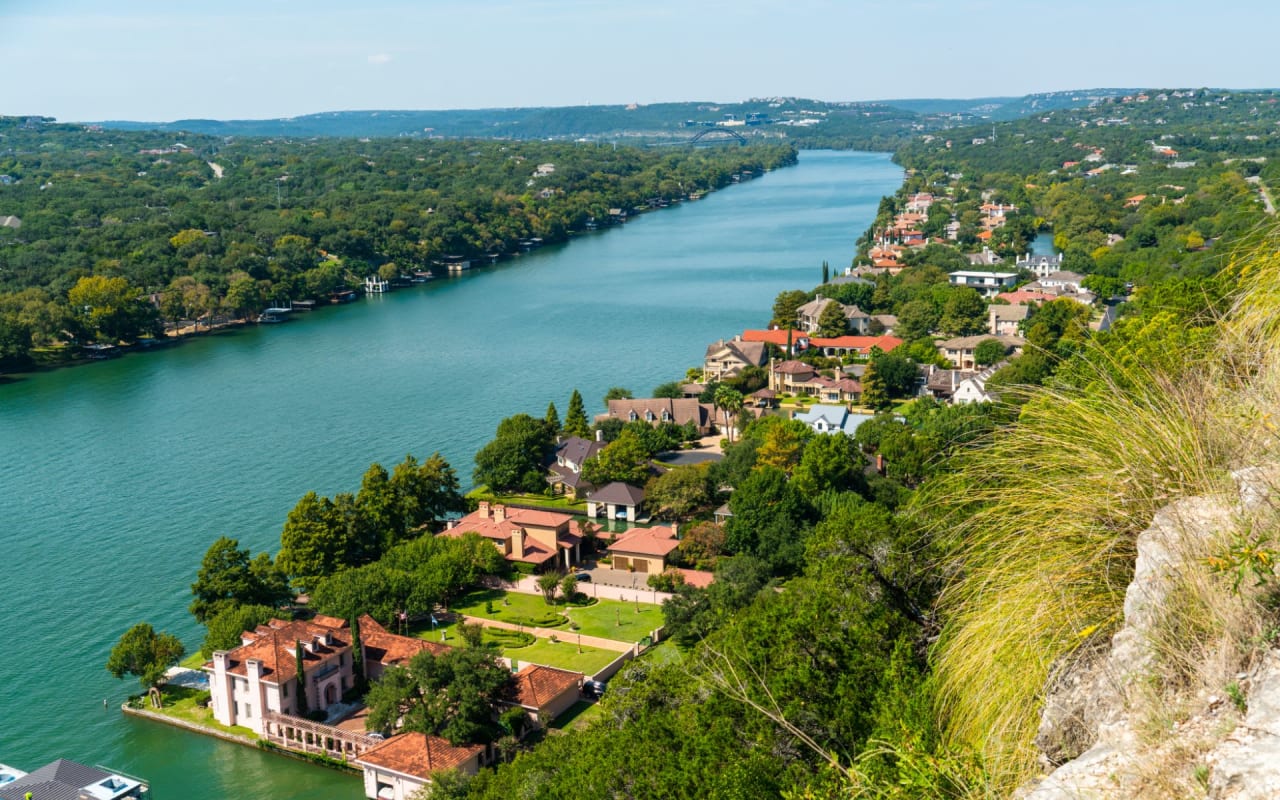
<point x="656" y="541"/>
<point x="418" y="755"/>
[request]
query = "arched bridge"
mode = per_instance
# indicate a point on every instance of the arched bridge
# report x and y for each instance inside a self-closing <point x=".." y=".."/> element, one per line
<point x="718" y="133"/>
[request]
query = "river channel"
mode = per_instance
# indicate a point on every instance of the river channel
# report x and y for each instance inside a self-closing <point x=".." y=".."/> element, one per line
<point x="115" y="477"/>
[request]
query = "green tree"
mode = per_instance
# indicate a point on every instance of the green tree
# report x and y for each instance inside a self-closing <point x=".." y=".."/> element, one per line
<point x="875" y="394"/>
<point x="729" y="401"/>
<point x="673" y="390"/>
<point x="786" y="307"/>
<point x="678" y="492"/>
<point x="916" y="320"/>
<point x="826" y="273"/>
<point x="832" y="321"/>
<point x="552" y="417"/>
<point x="513" y="460"/>
<point x="228" y="578"/>
<point x="617" y="393"/>
<point x="226" y="627"/>
<point x="456" y="694"/>
<point x="829" y="462"/>
<point x="897" y="373"/>
<point x="300" y="660"/>
<point x="312" y="545"/>
<point x="575" y="420"/>
<point x="988" y="351"/>
<point x="624" y="459"/>
<point x="964" y="313"/>
<point x="548" y="583"/>
<point x="144" y="653"/>
<point x="770" y="519"/>
<point x="569" y="587"/>
<point x="112" y="309"/>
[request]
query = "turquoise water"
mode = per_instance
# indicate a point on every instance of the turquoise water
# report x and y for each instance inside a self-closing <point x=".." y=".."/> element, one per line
<point x="115" y="477"/>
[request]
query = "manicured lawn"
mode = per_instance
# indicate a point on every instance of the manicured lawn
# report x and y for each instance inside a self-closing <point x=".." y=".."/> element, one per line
<point x="193" y="661"/>
<point x="181" y="703"/>
<point x="664" y="652"/>
<point x="563" y="655"/>
<point x="558" y="503"/>
<point x="513" y="607"/>
<point x="610" y="619"/>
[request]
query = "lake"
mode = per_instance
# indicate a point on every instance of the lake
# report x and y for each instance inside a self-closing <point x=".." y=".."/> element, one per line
<point x="115" y="477"/>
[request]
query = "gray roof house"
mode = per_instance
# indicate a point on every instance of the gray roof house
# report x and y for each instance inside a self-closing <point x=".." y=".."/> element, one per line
<point x="617" y="500"/>
<point x="725" y="359"/>
<point x="570" y="455"/>
<point x="832" y="419"/>
<point x="67" y="780"/>
<point x="1040" y="265"/>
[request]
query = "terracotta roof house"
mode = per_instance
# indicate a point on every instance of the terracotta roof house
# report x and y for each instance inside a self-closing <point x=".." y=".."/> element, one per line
<point x="546" y="692"/>
<point x="382" y="649"/>
<point x="959" y="351"/>
<point x="1025" y="296"/>
<point x="541" y="538"/>
<point x="854" y="345"/>
<point x="261" y="675"/>
<point x="1004" y="320"/>
<point x="566" y="471"/>
<point x="832" y="419"/>
<point x="799" y="378"/>
<point x="403" y="764"/>
<point x="617" y="500"/>
<point x="656" y="410"/>
<point x="643" y="549"/>
<point x="799" y="340"/>
<point x="727" y="359"/>
<point x="697" y="578"/>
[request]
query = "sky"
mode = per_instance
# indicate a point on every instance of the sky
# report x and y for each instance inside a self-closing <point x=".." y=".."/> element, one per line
<point x="87" y="60"/>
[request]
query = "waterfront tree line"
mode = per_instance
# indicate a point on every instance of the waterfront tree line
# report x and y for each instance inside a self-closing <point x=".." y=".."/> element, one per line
<point x="119" y="234"/>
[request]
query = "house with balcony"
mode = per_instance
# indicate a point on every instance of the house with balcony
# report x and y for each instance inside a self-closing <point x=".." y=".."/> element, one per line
<point x="988" y="284"/>
<point x="727" y="359"/>
<point x="565" y="473"/>
<point x="261" y="676"/>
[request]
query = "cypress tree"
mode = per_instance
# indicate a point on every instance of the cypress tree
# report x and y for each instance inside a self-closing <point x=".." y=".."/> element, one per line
<point x="357" y="652"/>
<point x="575" y="420"/>
<point x="302" y="680"/>
<point x="826" y="273"/>
<point x="553" y="418"/>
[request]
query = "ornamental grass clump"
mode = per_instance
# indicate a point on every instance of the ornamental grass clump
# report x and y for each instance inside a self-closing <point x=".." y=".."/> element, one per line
<point x="1040" y="522"/>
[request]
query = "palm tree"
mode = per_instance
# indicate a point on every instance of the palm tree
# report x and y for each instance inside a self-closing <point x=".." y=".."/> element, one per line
<point x="730" y="401"/>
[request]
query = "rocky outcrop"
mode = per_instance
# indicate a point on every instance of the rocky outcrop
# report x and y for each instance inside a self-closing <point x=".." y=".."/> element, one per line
<point x="1089" y="728"/>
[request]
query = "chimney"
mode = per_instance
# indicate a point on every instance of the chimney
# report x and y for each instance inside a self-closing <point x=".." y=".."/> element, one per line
<point x="675" y="530"/>
<point x="483" y="508"/>
<point x="499" y="512"/>
<point x="517" y="543"/>
<point x="599" y="435"/>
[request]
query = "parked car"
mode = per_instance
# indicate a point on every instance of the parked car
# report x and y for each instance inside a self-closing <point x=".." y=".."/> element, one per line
<point x="582" y="576"/>
<point x="594" y="689"/>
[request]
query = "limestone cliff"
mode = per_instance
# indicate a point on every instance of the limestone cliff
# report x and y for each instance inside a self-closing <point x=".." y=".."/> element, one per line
<point x="1112" y="724"/>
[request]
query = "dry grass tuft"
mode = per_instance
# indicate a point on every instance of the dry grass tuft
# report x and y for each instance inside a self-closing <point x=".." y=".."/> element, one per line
<point x="1043" y="520"/>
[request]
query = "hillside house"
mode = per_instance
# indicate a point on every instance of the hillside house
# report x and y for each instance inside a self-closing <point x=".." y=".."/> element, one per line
<point x="727" y="359"/>
<point x="1040" y="265"/>
<point x="657" y="410"/>
<point x="807" y="316"/>
<point x="959" y="351"/>
<point x="988" y="284"/>
<point x="565" y="473"/>
<point x="1006" y="320"/>
<point x="832" y="419"/>
<point x="540" y="538"/>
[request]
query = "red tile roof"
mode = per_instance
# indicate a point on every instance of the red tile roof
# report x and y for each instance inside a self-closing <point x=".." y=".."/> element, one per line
<point x="418" y="755"/>
<point x="388" y="648"/>
<point x="1025" y="296"/>
<point x="275" y="645"/>
<point x="655" y="541"/>
<point x="861" y="343"/>
<point x="537" y="686"/>
<point x="696" y="577"/>
<point x="777" y="336"/>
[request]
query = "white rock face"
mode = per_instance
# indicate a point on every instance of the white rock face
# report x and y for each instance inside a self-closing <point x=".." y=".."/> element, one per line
<point x="1086" y="716"/>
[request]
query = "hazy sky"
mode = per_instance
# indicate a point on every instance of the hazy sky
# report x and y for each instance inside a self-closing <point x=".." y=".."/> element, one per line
<point x="159" y="61"/>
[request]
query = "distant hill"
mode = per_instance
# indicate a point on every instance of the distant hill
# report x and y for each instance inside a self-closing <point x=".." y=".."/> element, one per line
<point x="808" y="123"/>
<point x="1002" y="108"/>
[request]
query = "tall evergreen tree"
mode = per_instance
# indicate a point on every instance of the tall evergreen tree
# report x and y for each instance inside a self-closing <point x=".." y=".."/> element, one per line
<point x="553" y="418"/>
<point x="826" y="273"/>
<point x="298" y="653"/>
<point x="575" y="420"/>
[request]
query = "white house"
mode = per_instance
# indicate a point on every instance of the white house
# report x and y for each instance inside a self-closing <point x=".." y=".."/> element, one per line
<point x="261" y="675"/>
<point x="1040" y="265"/>
<point x="988" y="284"/>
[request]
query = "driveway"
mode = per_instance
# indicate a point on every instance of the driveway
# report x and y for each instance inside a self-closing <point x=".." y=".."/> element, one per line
<point x="611" y="584"/>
